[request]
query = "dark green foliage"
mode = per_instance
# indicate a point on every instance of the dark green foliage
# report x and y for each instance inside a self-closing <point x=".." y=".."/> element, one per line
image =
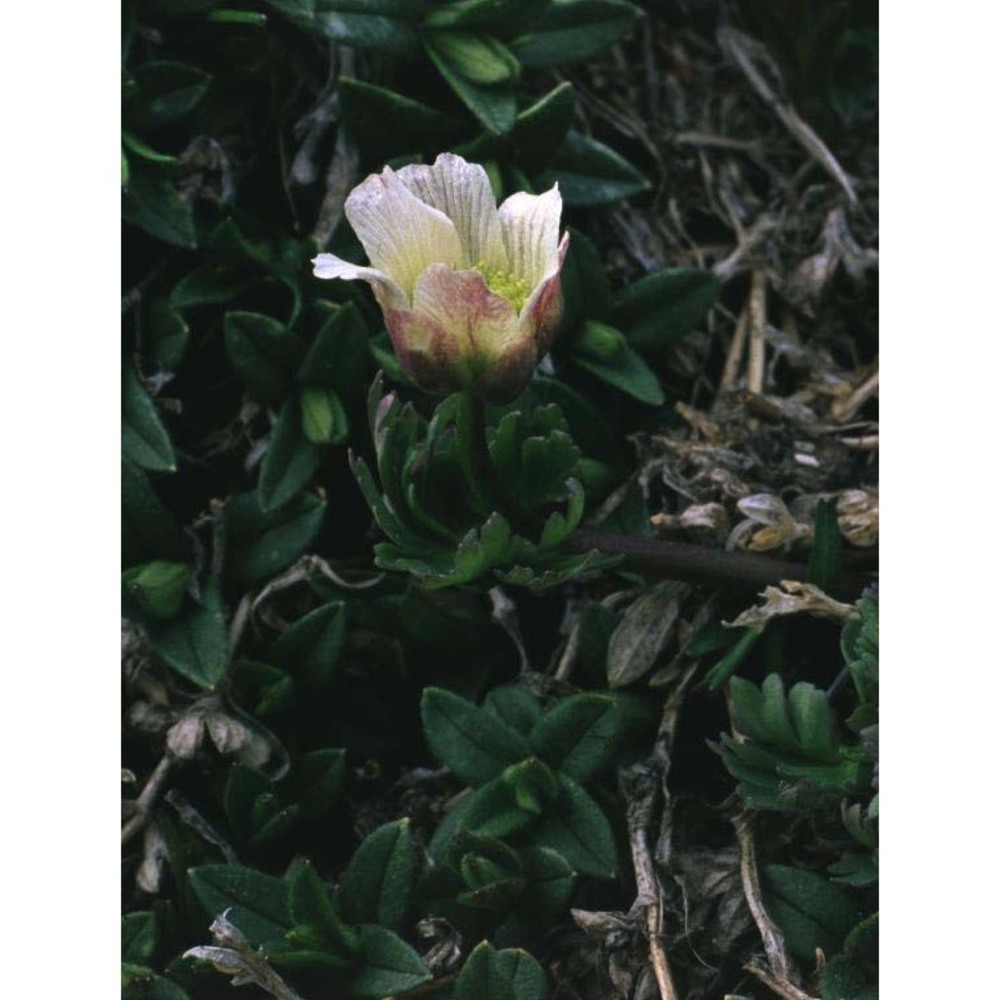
<point x="355" y="599"/>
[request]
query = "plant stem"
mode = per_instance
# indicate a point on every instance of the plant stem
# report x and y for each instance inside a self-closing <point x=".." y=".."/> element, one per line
<point x="700" y="564"/>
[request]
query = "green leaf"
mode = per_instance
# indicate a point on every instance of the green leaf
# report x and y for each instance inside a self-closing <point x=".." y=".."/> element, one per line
<point x="135" y="145"/>
<point x="572" y="30"/>
<point x="140" y="983"/>
<point x="578" y="735"/>
<point x="144" y="438"/>
<point x="812" y="911"/>
<point x="257" y="903"/>
<point x="664" y="307"/>
<point x="590" y="173"/>
<point x="138" y="936"/>
<point x="195" y="644"/>
<point x="253" y="808"/>
<point x="378" y="884"/>
<point x="511" y="974"/>
<point x="496" y="16"/>
<point x="260" y="545"/>
<point x="164" y="336"/>
<point x="152" y="203"/>
<point x="385" y="123"/>
<point x="336" y="358"/>
<point x="309" y="903"/>
<point x="389" y="965"/>
<point x="379" y="25"/>
<point x="494" y="105"/>
<point x="263" y="353"/>
<point x="322" y="415"/>
<point x="825" y="554"/>
<point x="310" y="649"/>
<point x="516" y="705"/>
<point x="575" y="827"/>
<point x="316" y="781"/>
<point x="159" y="587"/>
<point x="549" y="885"/>
<point x="472" y="741"/>
<point x="290" y="463"/>
<point x="541" y="128"/>
<point x="729" y="664"/>
<point x="627" y="372"/>
<point x="148" y="528"/>
<point x="813" y="723"/>
<point x="170" y="89"/>
<point x="479" y="59"/>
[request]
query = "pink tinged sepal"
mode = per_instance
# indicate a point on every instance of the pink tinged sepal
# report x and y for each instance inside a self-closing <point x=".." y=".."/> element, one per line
<point x="460" y="333"/>
<point x="543" y="312"/>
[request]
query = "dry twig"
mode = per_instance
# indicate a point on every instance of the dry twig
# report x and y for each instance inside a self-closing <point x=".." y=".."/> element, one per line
<point x="741" y="49"/>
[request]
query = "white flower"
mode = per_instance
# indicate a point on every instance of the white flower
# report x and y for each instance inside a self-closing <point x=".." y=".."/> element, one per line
<point x="470" y="293"/>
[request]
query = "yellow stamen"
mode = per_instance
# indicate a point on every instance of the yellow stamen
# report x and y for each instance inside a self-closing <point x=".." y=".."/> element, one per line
<point x="515" y="290"/>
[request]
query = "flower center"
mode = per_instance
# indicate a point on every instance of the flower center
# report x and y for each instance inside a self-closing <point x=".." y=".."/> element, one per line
<point x="515" y="290"/>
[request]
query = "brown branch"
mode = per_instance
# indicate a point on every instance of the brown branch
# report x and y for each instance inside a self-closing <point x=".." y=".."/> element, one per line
<point x="737" y="570"/>
<point x="144" y="804"/>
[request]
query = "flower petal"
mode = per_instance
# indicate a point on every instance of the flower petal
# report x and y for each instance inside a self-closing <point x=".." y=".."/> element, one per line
<point x="387" y="292"/>
<point x="529" y="224"/>
<point x="461" y="302"/>
<point x="543" y="311"/>
<point x="400" y="233"/>
<point x="462" y="191"/>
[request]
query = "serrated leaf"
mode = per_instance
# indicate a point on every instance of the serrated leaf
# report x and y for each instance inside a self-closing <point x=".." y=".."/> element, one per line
<point x="152" y="203"/>
<point x="472" y="741"/>
<point x="309" y="649"/>
<point x="590" y="173"/>
<point x="195" y="644"/>
<point x="578" y="735"/>
<point x="144" y="438"/>
<point x="576" y="827"/>
<point x="385" y="123"/>
<point x="378" y="884"/>
<point x="572" y="30"/>
<point x="263" y="353"/>
<point x="260" y="545"/>
<point x="389" y="965"/>
<point x="257" y="903"/>
<point x="664" y="307"/>
<point x="813" y="722"/>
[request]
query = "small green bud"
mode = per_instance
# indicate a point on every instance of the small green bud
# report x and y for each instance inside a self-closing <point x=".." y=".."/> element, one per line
<point x="159" y="587"/>
<point x="323" y="417"/>
<point x="600" y="341"/>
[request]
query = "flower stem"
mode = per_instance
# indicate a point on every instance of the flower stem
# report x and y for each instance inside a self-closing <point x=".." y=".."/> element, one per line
<point x="715" y="567"/>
